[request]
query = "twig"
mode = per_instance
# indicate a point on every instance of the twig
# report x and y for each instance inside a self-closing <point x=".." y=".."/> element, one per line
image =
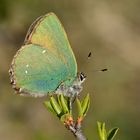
<point x="75" y="128"/>
<point x="77" y="132"/>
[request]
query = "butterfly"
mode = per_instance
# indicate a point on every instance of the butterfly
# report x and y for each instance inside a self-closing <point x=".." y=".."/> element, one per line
<point x="45" y="64"/>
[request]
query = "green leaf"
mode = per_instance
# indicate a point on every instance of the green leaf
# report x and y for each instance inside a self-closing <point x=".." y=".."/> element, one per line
<point x="99" y="125"/>
<point x="48" y="105"/>
<point x="104" y="135"/>
<point x="59" y="100"/>
<point x="55" y="105"/>
<point x="67" y="99"/>
<point x="64" y="117"/>
<point x="101" y="130"/>
<point x="85" y="104"/>
<point x="64" y="104"/>
<point x="112" y="133"/>
<point x="80" y="113"/>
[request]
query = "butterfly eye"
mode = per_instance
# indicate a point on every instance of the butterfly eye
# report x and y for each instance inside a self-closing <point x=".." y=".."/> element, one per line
<point x="82" y="77"/>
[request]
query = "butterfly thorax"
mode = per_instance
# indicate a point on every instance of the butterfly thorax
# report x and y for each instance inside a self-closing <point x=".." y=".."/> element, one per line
<point x="74" y="89"/>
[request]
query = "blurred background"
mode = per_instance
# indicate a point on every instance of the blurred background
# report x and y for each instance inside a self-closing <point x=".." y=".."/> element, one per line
<point x="110" y="30"/>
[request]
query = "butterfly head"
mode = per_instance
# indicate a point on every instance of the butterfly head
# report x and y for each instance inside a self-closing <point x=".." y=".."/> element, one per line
<point x="82" y="77"/>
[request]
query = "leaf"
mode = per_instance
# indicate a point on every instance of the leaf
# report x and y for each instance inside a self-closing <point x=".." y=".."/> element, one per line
<point x="80" y="113"/>
<point x="99" y="125"/>
<point x="104" y="135"/>
<point x="101" y="130"/>
<point x="55" y="105"/>
<point x="112" y="133"/>
<point x="64" y="104"/>
<point x="59" y="100"/>
<point x="67" y="99"/>
<point x="48" y="105"/>
<point x="85" y="104"/>
<point x="63" y="117"/>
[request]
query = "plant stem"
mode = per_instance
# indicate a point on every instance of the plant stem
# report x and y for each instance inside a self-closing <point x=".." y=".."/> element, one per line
<point x="70" y="105"/>
<point x="77" y="133"/>
<point x="75" y="128"/>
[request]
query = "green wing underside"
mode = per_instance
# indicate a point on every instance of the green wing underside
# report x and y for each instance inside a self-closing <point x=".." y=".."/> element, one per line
<point x="46" y="60"/>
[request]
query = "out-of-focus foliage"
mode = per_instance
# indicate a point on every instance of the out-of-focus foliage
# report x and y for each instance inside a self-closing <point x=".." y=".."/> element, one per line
<point x="105" y="134"/>
<point x="108" y="29"/>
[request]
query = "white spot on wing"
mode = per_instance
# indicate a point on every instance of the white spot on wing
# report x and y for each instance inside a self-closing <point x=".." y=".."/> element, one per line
<point x="43" y="51"/>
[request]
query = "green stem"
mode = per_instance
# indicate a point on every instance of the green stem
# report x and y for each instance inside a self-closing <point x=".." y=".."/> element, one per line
<point x="70" y="105"/>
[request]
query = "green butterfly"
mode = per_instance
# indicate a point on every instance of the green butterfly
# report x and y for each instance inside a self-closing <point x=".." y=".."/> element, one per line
<point x="45" y="64"/>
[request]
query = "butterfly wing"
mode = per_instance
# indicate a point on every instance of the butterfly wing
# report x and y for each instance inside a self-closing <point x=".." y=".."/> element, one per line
<point x="46" y="60"/>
